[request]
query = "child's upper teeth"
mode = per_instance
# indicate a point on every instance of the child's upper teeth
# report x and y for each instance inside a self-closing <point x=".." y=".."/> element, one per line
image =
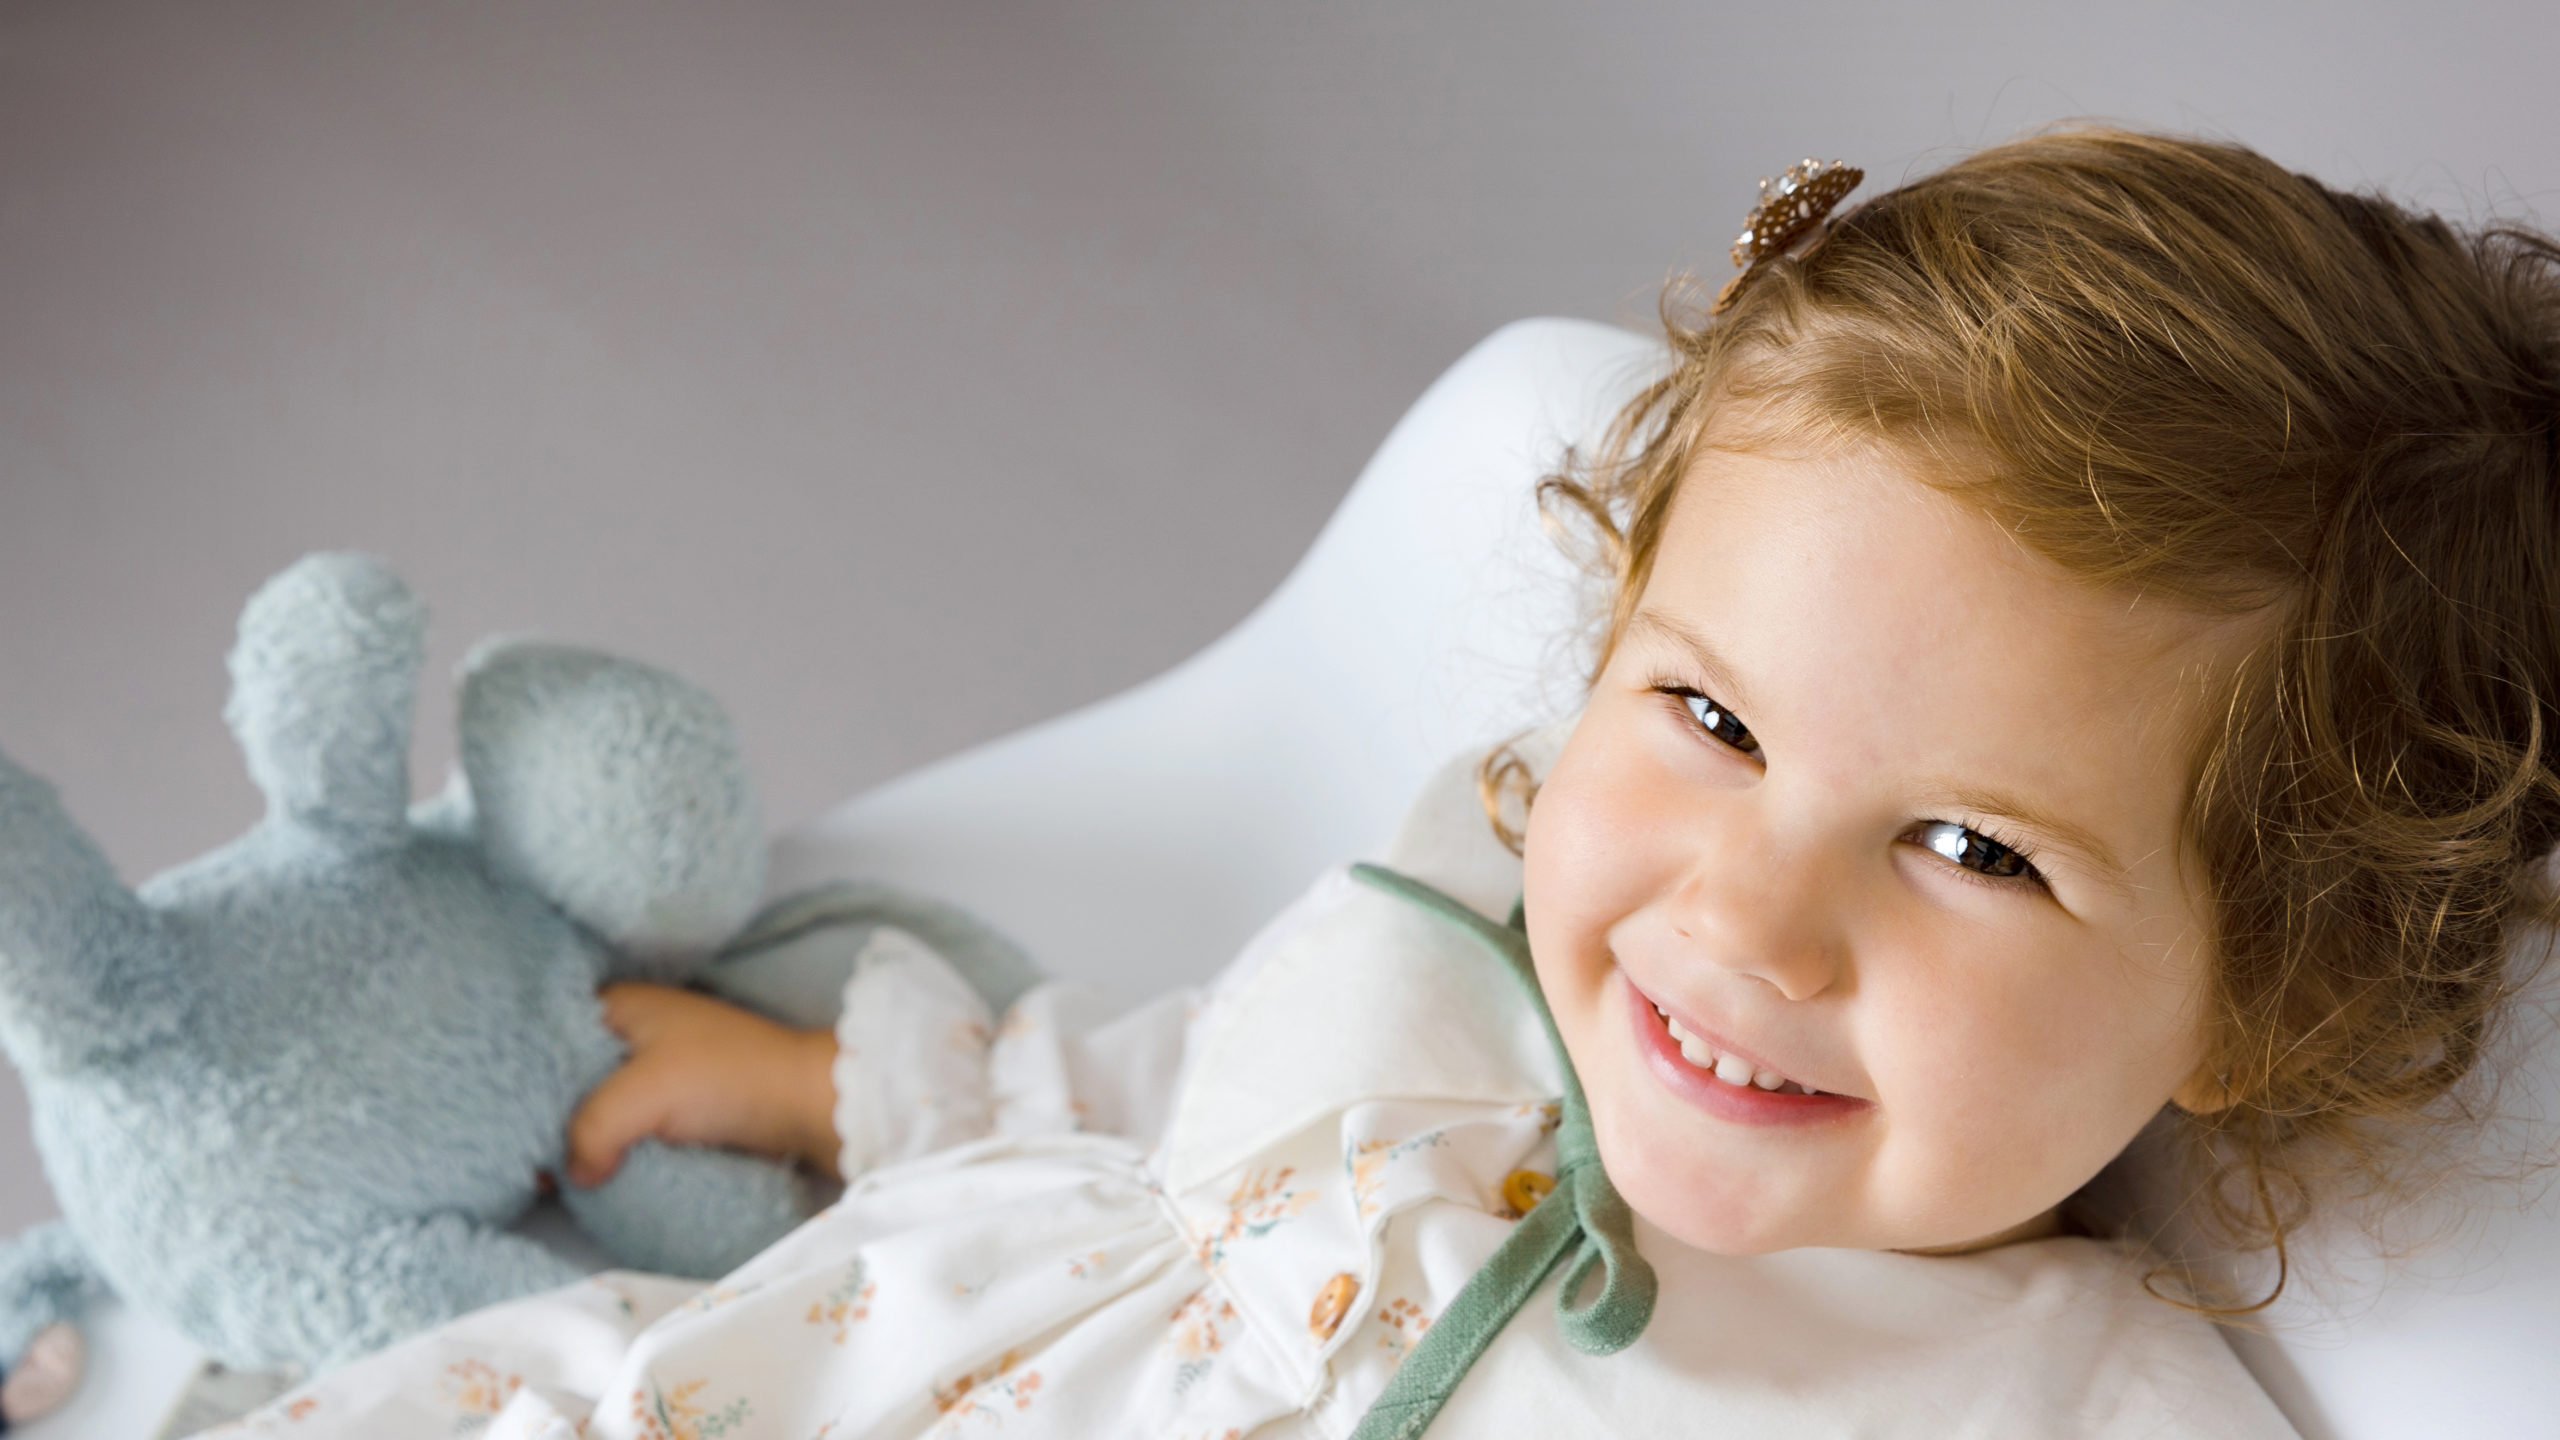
<point x="1731" y="1069"/>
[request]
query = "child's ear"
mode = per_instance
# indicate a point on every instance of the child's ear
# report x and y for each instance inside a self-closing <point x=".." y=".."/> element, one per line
<point x="2204" y="1093"/>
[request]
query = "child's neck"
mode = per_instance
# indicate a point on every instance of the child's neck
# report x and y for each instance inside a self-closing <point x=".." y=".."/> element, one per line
<point x="2040" y="1227"/>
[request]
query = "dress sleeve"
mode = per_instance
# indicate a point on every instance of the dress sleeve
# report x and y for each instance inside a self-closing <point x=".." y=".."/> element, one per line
<point x="911" y="1056"/>
<point x="922" y="1064"/>
<point x="1059" y="1065"/>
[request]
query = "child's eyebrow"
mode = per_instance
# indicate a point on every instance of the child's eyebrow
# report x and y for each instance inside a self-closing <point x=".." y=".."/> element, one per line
<point x="1729" y="688"/>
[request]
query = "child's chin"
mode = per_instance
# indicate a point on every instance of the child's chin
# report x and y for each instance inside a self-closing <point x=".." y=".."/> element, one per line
<point x="1702" y="1216"/>
<point x="1719" y="1235"/>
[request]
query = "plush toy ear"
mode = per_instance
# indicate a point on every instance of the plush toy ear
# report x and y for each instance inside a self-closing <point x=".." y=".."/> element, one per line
<point x="617" y="791"/>
<point x="323" y="680"/>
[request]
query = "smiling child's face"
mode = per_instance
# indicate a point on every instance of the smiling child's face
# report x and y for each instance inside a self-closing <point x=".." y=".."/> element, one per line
<point x="1872" y="802"/>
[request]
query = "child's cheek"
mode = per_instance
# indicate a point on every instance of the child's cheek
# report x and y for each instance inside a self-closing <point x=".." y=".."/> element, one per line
<point x="1586" y="872"/>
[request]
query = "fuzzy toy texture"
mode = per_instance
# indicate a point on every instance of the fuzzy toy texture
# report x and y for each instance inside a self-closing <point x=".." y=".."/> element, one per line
<point x="291" y="1093"/>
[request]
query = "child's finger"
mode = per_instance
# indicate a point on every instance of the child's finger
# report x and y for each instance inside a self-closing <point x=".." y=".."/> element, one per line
<point x="630" y="1007"/>
<point x="617" y="1114"/>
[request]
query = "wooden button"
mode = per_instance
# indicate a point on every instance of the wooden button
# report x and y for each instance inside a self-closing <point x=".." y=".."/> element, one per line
<point x="1523" y="1189"/>
<point x="1332" y="1303"/>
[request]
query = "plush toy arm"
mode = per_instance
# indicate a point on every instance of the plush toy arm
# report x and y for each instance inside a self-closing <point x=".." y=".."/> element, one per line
<point x="696" y="1213"/>
<point x="323" y="682"/>
<point x="407" y="1276"/>
<point x="46" y="1279"/>
<point x="85" y="968"/>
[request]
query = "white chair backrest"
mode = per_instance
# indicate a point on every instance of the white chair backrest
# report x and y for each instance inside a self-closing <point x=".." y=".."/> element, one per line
<point x="1139" y="842"/>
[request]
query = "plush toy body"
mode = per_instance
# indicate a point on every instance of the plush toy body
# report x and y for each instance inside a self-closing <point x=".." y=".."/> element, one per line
<point x="290" y="1094"/>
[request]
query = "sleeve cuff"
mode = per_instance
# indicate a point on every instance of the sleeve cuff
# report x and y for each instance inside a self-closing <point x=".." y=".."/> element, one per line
<point x="911" y="1056"/>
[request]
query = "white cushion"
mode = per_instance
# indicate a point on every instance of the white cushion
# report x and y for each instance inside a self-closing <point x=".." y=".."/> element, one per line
<point x="2443" y="1317"/>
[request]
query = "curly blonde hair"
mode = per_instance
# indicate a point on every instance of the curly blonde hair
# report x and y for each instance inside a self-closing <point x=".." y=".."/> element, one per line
<point x="2175" y="367"/>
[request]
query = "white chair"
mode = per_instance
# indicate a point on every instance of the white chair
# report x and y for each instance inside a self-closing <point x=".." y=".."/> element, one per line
<point x="1138" y="842"/>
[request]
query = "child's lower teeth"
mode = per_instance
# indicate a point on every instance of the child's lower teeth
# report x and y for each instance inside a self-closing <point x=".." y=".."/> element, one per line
<point x="1731" y="1069"/>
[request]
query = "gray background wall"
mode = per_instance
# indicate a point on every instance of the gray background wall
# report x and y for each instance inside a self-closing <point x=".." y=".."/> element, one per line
<point x="911" y="372"/>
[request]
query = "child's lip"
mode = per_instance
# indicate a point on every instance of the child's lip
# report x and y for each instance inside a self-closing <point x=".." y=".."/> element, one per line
<point x="1721" y="1045"/>
<point x="1745" y="1103"/>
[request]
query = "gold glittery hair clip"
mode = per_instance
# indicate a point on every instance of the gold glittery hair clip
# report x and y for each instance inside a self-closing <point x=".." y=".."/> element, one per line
<point x="1801" y="200"/>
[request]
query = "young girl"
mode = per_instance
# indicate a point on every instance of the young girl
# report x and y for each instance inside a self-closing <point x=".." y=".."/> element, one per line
<point x="2082" y="644"/>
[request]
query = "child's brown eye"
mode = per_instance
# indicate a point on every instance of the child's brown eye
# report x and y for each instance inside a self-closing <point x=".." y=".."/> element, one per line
<point x="1719" y="722"/>
<point x="1974" y="851"/>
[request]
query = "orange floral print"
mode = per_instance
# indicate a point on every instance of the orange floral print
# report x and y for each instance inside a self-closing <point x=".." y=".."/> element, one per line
<point x="1404" y="1324"/>
<point x="1198" y="1333"/>
<point x="475" y="1391"/>
<point x="1368" y="1162"/>
<point x="1262" y="1201"/>
<point x="846" y="1305"/>
<point x="680" y="1414"/>
<point x="1368" y="1172"/>
<point x="1550" y="1114"/>
<point x="713" y="1299"/>
<point x="988" y="1392"/>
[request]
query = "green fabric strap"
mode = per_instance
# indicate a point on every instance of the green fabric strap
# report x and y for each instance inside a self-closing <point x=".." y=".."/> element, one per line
<point x="1581" y="1222"/>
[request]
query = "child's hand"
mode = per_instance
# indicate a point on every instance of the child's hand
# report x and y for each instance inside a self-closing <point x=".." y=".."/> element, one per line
<point x="703" y="1072"/>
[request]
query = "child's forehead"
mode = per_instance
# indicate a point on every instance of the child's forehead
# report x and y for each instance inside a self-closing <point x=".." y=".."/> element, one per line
<point x="1875" y="510"/>
<point x="1794" y="504"/>
<point x="1846" y="597"/>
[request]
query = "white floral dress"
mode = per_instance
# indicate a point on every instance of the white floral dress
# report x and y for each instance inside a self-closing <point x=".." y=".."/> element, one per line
<point x="1233" y="1217"/>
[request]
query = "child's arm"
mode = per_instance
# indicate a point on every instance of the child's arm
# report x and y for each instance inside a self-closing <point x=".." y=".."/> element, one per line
<point x="704" y="1072"/>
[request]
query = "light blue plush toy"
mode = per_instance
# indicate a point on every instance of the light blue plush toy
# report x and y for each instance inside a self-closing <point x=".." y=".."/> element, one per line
<point x="291" y="1094"/>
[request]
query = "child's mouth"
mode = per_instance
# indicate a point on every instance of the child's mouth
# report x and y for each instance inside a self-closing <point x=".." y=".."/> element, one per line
<point x="1692" y="1067"/>
<point x="1730" y="1068"/>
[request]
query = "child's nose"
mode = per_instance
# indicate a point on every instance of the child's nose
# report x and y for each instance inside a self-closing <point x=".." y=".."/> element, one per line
<point x="1760" y="908"/>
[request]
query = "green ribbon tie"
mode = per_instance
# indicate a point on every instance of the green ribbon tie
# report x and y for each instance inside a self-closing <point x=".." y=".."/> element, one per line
<point x="1581" y="1224"/>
